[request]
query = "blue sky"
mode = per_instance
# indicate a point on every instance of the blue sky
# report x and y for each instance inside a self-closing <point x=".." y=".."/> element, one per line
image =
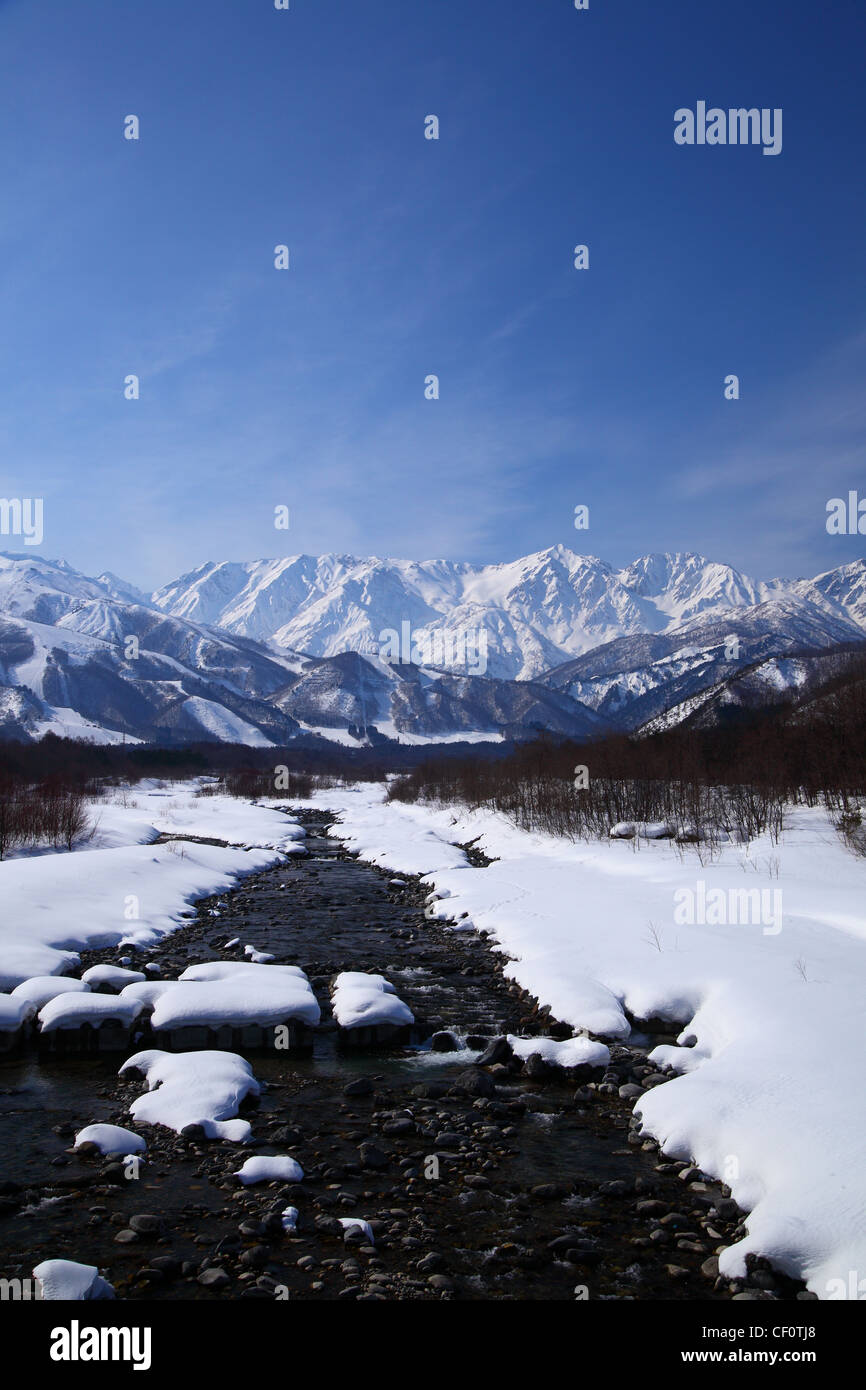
<point x="410" y="257"/>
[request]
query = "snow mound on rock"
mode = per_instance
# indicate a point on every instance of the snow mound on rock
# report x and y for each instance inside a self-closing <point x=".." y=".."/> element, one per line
<point x="194" y="1088"/>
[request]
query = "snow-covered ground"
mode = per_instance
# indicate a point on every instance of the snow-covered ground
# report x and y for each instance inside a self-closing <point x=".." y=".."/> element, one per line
<point x="119" y="886"/>
<point x="135" y="815"/>
<point x="765" y="992"/>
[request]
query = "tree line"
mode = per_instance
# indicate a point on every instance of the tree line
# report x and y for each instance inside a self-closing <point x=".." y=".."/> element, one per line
<point x="697" y="784"/>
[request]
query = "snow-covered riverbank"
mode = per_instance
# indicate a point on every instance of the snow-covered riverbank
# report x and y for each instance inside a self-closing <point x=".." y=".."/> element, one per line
<point x="119" y="885"/>
<point x="756" y="957"/>
<point x="767" y="989"/>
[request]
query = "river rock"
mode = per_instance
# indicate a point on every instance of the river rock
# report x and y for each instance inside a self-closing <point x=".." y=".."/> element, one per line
<point x="499" y="1050"/>
<point x="146" y="1224"/>
<point x="372" y="1156"/>
<point x="363" y="1086"/>
<point x="256" y="1257"/>
<point x="537" y="1069"/>
<point x="474" y="1083"/>
<point x="289" y="1135"/>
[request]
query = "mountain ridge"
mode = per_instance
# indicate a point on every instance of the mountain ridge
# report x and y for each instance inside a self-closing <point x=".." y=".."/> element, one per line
<point x="98" y="656"/>
<point x="537" y="611"/>
<point x="76" y="660"/>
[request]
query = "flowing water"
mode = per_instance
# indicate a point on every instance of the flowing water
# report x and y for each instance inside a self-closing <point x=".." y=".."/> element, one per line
<point x="513" y="1173"/>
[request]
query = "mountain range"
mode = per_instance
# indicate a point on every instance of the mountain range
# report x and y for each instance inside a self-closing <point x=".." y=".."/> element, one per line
<point x="346" y="648"/>
<point x="538" y="611"/>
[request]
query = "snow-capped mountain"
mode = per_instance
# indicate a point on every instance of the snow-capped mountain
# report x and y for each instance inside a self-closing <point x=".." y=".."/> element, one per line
<point x="334" y="646"/>
<point x="77" y="660"/>
<point x="81" y="657"/>
<point x="793" y="678"/>
<point x="842" y="591"/>
<point x="413" y="704"/>
<point x="635" y="680"/>
<point x="536" y="612"/>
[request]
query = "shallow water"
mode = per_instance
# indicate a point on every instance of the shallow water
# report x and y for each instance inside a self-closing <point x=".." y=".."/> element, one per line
<point x="328" y="912"/>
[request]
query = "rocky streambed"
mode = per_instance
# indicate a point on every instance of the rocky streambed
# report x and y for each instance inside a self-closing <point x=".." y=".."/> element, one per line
<point x="507" y="1180"/>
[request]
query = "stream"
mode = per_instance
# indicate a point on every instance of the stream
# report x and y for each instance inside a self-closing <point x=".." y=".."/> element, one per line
<point x="524" y="1187"/>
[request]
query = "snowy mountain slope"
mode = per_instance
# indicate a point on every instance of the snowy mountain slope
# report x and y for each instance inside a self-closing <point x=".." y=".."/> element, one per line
<point x="536" y="612"/>
<point x="52" y="673"/>
<point x="842" y="591"/>
<point x="685" y="586"/>
<point x="351" y="690"/>
<point x="794" y="678"/>
<point x="78" y="659"/>
<point x="20" y="712"/>
<point x="44" y="590"/>
<point x="752" y="688"/>
<point x="637" y="679"/>
<point x="83" y="654"/>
